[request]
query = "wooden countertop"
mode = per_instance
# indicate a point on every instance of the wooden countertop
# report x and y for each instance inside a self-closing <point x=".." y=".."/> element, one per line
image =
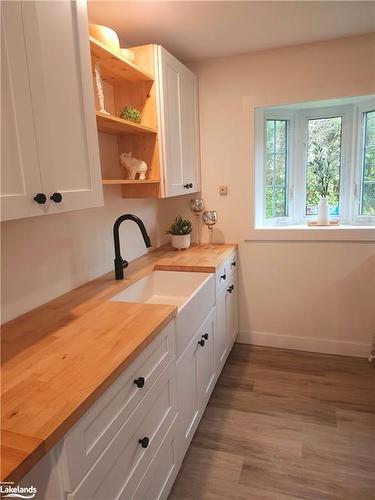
<point x="59" y="358"/>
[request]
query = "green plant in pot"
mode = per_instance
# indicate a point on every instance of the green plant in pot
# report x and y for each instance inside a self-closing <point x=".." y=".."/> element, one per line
<point x="323" y="167"/>
<point x="131" y="114"/>
<point x="180" y="233"/>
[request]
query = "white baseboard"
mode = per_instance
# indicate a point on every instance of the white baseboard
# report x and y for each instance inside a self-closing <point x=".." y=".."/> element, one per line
<point x="326" y="346"/>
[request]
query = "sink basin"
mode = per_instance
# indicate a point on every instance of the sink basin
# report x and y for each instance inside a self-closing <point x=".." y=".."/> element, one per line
<point x="164" y="287"/>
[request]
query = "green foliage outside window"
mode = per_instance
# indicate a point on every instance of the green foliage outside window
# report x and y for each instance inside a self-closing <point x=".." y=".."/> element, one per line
<point x="323" y="163"/>
<point x="368" y="166"/>
<point x="276" y="168"/>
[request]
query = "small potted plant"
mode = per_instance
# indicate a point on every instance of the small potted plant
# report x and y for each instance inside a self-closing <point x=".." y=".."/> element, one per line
<point x="131" y="114"/>
<point x="322" y="167"/>
<point x="180" y="233"/>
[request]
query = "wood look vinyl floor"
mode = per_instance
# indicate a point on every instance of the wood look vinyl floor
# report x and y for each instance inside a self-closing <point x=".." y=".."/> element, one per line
<point x="284" y="425"/>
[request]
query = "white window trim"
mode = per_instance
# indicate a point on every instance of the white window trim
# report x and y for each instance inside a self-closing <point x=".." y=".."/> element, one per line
<point x="352" y="226"/>
<point x="357" y="174"/>
<point x="279" y="115"/>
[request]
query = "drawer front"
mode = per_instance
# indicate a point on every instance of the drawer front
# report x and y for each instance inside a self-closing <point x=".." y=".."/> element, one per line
<point x="161" y="473"/>
<point x="231" y="263"/>
<point x="226" y="270"/>
<point x="193" y="314"/>
<point x="89" y="437"/>
<point x="221" y="275"/>
<point x="125" y="458"/>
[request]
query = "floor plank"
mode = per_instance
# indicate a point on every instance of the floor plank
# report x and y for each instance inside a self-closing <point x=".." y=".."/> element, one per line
<point x="284" y="425"/>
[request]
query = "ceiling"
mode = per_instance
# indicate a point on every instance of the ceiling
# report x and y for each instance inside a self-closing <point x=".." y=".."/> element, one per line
<point x="197" y="30"/>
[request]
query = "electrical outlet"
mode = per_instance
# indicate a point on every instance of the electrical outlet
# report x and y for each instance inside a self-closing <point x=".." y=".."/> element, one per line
<point x="223" y="190"/>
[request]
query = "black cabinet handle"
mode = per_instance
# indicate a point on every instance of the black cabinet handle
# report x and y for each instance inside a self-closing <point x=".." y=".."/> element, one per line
<point x="223" y="277"/>
<point x="201" y="342"/>
<point x="40" y="198"/>
<point x="144" y="442"/>
<point x="56" y="197"/>
<point x="234" y="263"/>
<point x="139" y="382"/>
<point x="230" y="289"/>
<point x="188" y="186"/>
<point x="205" y="336"/>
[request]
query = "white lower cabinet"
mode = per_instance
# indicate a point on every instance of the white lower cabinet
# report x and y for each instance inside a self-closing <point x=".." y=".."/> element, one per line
<point x="120" y="468"/>
<point x="226" y="310"/>
<point x="131" y="442"/>
<point x="162" y="470"/>
<point x="231" y="311"/>
<point x="195" y="380"/>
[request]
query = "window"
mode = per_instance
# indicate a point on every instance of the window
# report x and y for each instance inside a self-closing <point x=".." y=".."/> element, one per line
<point x="290" y="144"/>
<point x="323" y="142"/>
<point x="367" y="204"/>
<point x="276" y="168"/>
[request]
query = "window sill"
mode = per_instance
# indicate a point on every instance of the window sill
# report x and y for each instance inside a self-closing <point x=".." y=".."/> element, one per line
<point x="308" y="233"/>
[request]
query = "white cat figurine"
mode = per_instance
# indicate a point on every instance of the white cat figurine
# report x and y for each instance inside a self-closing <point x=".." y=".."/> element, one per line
<point x="133" y="166"/>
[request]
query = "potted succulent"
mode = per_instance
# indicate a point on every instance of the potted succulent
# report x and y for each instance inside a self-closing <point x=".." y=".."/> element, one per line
<point x="180" y="233"/>
<point x="322" y="167"/>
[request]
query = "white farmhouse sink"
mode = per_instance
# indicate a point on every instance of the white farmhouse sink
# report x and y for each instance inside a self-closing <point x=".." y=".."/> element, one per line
<point x="164" y="287"/>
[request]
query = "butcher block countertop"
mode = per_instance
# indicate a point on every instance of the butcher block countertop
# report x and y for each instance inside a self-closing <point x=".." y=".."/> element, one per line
<point x="59" y="358"/>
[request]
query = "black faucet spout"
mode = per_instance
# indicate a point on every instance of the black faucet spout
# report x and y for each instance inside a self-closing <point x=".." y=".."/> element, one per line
<point x="120" y="263"/>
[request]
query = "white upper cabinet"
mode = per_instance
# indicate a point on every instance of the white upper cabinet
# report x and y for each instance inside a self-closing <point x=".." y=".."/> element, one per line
<point x="178" y="123"/>
<point x="20" y="176"/>
<point x="57" y="145"/>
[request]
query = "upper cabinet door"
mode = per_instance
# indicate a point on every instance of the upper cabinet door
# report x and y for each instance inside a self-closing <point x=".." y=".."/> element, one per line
<point x="20" y="176"/>
<point x="190" y="129"/>
<point x="178" y="109"/>
<point x="58" y="54"/>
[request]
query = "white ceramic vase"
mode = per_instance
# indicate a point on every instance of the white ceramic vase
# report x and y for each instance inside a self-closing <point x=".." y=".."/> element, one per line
<point x="180" y="241"/>
<point x="323" y="211"/>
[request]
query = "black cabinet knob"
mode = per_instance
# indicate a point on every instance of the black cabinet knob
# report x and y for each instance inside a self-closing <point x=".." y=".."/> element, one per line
<point x="139" y="382"/>
<point x="56" y="197"/>
<point x="190" y="185"/>
<point x="186" y="186"/>
<point x="201" y="342"/>
<point x="144" y="442"/>
<point x="40" y="198"/>
<point x="223" y="277"/>
<point x="205" y="336"/>
<point x="233" y="263"/>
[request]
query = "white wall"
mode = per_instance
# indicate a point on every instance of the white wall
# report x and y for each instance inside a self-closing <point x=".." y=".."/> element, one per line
<point x="44" y="257"/>
<point x="304" y="295"/>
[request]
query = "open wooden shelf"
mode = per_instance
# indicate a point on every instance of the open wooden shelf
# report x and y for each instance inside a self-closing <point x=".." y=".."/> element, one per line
<point x="129" y="182"/>
<point x="110" y="124"/>
<point x="114" y="68"/>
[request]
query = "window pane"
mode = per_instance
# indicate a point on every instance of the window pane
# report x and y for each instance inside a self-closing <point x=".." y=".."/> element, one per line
<point x="279" y="201"/>
<point x="270" y="136"/>
<point x="323" y="163"/>
<point x="275" y="168"/>
<point x="368" y="166"/>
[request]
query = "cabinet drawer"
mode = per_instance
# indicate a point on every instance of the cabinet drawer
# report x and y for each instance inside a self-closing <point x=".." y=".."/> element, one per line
<point x="161" y="473"/>
<point x="231" y="263"/>
<point x="221" y="275"/>
<point x="124" y="461"/>
<point x="89" y="437"/>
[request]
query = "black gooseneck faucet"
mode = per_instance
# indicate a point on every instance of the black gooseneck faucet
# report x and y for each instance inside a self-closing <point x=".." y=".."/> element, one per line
<point x="120" y="263"/>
